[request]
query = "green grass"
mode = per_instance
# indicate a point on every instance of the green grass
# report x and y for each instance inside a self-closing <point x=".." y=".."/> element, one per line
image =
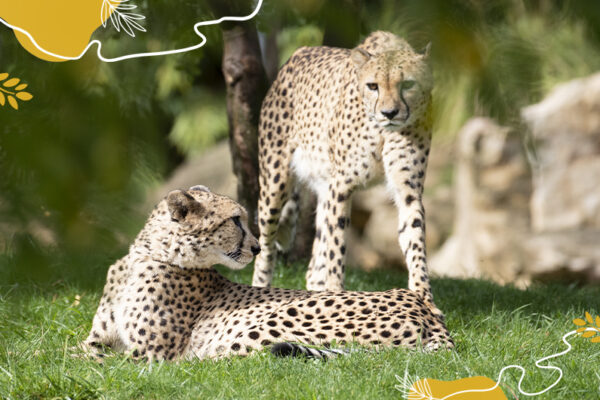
<point x="493" y="327"/>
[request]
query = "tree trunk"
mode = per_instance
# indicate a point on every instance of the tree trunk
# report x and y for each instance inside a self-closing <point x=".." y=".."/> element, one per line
<point x="246" y="86"/>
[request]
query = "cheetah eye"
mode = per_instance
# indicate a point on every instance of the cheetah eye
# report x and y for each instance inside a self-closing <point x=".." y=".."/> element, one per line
<point x="372" y="86"/>
<point x="408" y="84"/>
<point x="237" y="222"/>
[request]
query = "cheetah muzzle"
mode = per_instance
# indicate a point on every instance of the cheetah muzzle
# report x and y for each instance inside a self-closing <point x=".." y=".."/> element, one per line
<point x="163" y="300"/>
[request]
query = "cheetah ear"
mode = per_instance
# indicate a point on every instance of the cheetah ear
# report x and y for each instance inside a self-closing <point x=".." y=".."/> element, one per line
<point x="181" y="205"/>
<point x="426" y="51"/>
<point x="359" y="57"/>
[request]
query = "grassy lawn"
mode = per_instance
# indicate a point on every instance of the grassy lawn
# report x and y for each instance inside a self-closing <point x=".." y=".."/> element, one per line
<point x="493" y="327"/>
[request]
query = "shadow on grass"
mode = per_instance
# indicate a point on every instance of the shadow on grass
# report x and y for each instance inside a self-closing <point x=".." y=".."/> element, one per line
<point x="473" y="296"/>
<point x="454" y="296"/>
<point x="44" y="272"/>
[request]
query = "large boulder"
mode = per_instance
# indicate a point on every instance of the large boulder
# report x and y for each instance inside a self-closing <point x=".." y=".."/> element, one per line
<point x="565" y="203"/>
<point x="491" y="188"/>
<point x="526" y="213"/>
<point x="211" y="168"/>
<point x="566" y="169"/>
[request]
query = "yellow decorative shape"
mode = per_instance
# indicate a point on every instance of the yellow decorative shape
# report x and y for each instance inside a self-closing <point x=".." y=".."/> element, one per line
<point x="587" y="328"/>
<point x="433" y="389"/>
<point x="61" y="27"/>
<point x="8" y="91"/>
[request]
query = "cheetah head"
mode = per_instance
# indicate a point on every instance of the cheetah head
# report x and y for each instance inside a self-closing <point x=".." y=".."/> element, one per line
<point x="395" y="85"/>
<point x="196" y="228"/>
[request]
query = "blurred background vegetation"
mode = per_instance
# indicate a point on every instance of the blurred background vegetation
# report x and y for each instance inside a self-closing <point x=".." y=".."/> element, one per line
<point x="77" y="161"/>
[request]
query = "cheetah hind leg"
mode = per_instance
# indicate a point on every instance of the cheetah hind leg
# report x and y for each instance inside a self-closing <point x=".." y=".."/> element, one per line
<point x="89" y="350"/>
<point x="274" y="193"/>
<point x="286" y="232"/>
<point x="289" y="349"/>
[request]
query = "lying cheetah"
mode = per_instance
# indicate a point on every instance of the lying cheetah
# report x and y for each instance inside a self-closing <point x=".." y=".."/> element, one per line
<point x="164" y="300"/>
<point x="336" y="119"/>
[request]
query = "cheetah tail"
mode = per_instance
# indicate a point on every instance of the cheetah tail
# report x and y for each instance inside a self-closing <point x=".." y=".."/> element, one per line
<point x="287" y="349"/>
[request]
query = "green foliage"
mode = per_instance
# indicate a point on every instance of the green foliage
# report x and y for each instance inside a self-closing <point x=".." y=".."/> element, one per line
<point x="492" y="58"/>
<point x="77" y="160"/>
<point x="489" y="58"/>
<point x="292" y="38"/>
<point x="200" y="124"/>
<point x="493" y="327"/>
<point x="74" y="169"/>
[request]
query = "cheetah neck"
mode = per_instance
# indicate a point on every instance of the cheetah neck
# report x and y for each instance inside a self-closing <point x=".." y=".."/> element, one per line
<point x="157" y="240"/>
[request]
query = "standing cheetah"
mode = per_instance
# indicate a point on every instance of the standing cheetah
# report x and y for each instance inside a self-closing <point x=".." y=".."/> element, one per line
<point x="163" y="300"/>
<point x="336" y="119"/>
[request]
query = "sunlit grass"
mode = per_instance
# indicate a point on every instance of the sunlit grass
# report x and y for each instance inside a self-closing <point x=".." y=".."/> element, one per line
<point x="493" y="326"/>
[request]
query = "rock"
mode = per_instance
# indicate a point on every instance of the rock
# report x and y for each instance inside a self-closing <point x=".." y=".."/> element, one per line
<point x="564" y="256"/>
<point x="565" y="204"/>
<point x="513" y="226"/>
<point x="566" y="129"/>
<point x="372" y="239"/>
<point x="491" y="189"/>
<point x="212" y="169"/>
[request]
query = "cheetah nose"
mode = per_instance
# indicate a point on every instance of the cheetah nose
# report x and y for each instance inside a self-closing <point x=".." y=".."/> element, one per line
<point x="389" y="114"/>
<point x="255" y="249"/>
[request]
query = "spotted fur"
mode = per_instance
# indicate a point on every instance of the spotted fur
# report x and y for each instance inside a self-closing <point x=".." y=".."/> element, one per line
<point x="163" y="300"/>
<point x="337" y="119"/>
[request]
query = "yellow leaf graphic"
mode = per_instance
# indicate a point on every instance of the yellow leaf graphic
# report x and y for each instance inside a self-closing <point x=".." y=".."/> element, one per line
<point x="598" y="321"/>
<point x="596" y="339"/>
<point x="579" y="322"/>
<point x="589" y="317"/>
<point x="432" y="389"/>
<point x="11" y="82"/>
<point x="13" y="102"/>
<point x="588" y="334"/>
<point x="11" y="90"/>
<point x="25" y="96"/>
<point x="582" y="329"/>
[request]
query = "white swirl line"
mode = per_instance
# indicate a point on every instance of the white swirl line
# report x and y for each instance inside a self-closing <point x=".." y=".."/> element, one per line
<point x="139" y="55"/>
<point x="537" y="363"/>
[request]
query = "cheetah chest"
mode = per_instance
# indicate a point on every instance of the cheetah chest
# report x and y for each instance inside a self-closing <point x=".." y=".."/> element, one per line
<point x="355" y="159"/>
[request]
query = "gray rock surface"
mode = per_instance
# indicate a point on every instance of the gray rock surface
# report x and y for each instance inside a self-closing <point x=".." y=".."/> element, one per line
<point x="491" y="192"/>
<point x="516" y="226"/>
<point x="566" y="130"/>
<point x="212" y="169"/>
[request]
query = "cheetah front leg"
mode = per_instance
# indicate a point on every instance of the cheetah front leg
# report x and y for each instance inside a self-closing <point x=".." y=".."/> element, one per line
<point x="326" y="268"/>
<point x="405" y="163"/>
<point x="104" y="330"/>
